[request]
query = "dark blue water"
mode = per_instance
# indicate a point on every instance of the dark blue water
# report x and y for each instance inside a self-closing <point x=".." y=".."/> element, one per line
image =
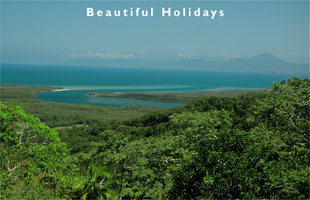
<point x="82" y="80"/>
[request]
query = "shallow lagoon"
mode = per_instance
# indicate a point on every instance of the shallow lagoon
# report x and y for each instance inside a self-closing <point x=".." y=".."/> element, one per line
<point x="82" y="80"/>
<point x="80" y="97"/>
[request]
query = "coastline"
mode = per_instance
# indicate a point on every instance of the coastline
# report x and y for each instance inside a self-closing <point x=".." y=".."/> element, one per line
<point x="159" y="88"/>
<point x="60" y="90"/>
<point x="172" y="97"/>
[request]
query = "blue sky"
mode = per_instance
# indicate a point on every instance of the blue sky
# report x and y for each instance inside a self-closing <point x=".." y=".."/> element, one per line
<point x="55" y="32"/>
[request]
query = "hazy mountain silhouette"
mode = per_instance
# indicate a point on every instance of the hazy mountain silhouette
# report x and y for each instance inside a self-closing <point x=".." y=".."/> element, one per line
<point x="265" y="62"/>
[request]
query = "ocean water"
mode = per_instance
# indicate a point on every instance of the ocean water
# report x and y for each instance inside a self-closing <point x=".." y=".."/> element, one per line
<point x="82" y="80"/>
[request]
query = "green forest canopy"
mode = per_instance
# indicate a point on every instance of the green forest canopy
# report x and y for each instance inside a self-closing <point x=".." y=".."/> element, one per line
<point x="252" y="146"/>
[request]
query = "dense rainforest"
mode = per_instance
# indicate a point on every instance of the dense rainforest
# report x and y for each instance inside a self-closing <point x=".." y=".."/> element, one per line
<point x="255" y="145"/>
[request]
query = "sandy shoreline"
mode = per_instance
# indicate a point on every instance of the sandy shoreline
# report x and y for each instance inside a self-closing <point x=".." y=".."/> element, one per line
<point x="66" y="88"/>
<point x="60" y="90"/>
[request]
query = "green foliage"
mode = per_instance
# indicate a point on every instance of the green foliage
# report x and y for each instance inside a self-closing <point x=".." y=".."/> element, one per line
<point x="269" y="161"/>
<point x="174" y="97"/>
<point x="32" y="156"/>
<point x="64" y="114"/>
<point x="95" y="185"/>
<point x="253" y="146"/>
<point x="286" y="112"/>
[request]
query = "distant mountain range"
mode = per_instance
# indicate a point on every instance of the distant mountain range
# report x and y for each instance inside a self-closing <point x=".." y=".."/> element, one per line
<point x="261" y="63"/>
<point x="264" y="63"/>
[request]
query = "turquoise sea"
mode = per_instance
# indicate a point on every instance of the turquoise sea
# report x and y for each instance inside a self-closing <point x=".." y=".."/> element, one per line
<point x="82" y="80"/>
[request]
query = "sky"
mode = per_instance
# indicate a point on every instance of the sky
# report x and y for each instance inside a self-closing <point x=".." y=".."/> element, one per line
<point x="57" y="32"/>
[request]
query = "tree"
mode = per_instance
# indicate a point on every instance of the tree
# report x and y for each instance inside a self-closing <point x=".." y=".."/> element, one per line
<point x="33" y="159"/>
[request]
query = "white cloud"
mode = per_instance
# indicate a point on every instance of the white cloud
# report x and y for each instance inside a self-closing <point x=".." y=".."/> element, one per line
<point x="113" y="55"/>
